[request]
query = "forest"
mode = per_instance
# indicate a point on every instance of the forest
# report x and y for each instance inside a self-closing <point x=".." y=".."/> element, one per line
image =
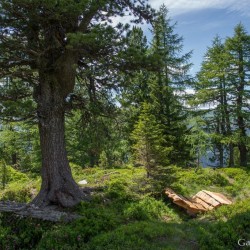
<point x="97" y="119"/>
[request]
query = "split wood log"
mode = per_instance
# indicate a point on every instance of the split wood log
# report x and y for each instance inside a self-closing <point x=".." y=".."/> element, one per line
<point x="48" y="213"/>
<point x="201" y="202"/>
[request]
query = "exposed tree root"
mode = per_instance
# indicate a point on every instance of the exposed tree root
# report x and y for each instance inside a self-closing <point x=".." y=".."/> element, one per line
<point x="49" y="213"/>
<point x="45" y="210"/>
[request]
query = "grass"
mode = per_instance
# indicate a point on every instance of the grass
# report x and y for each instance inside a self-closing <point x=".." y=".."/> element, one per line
<point x="126" y="214"/>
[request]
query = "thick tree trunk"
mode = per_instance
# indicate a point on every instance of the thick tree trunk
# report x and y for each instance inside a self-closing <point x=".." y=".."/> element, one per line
<point x="58" y="186"/>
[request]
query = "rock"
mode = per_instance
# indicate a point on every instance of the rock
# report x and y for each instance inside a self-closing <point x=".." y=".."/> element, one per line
<point x="83" y="182"/>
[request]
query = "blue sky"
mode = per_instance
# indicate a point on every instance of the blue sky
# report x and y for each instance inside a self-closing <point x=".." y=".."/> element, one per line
<point x="199" y="21"/>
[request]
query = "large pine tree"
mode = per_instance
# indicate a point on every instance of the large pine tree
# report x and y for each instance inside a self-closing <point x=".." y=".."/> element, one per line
<point x="47" y="44"/>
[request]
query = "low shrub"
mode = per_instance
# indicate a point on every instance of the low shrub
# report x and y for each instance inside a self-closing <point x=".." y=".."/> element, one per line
<point x="223" y="227"/>
<point x="19" y="233"/>
<point x="149" y="209"/>
<point x="239" y="182"/>
<point x="124" y="215"/>
<point x="20" y="191"/>
<point x="95" y="220"/>
<point x="120" y="190"/>
<point x="224" y="234"/>
<point x="236" y="174"/>
<point x="226" y="213"/>
<point x="189" y="182"/>
<point x="133" y="236"/>
<point x="144" y="235"/>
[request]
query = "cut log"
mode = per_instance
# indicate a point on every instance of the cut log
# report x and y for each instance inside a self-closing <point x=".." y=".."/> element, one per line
<point x="50" y="213"/>
<point x="201" y="202"/>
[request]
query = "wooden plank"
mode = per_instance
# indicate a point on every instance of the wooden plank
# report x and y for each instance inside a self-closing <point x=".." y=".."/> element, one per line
<point x="184" y="202"/>
<point x="207" y="198"/>
<point x="219" y="197"/>
<point x="202" y="201"/>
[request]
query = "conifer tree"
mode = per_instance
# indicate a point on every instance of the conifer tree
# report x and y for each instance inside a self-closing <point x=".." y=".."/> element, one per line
<point x="238" y="48"/>
<point x="213" y="92"/>
<point x="199" y="140"/>
<point x="46" y="45"/>
<point x="149" y="143"/>
<point x="135" y="87"/>
<point x="167" y="84"/>
<point x="222" y="87"/>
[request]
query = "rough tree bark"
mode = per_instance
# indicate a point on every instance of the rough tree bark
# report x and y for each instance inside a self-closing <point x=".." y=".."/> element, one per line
<point x="58" y="186"/>
<point x="49" y="38"/>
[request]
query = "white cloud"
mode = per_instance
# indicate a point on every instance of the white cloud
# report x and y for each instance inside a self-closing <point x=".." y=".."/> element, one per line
<point x="177" y="7"/>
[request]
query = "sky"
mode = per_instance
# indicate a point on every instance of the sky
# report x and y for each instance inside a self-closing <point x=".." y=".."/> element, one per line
<point x="199" y="21"/>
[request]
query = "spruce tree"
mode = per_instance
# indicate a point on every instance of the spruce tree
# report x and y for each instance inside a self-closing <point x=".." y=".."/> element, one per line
<point x="149" y="143"/>
<point x="167" y="84"/>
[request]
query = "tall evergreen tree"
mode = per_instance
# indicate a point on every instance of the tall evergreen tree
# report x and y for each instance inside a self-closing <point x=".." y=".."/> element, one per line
<point x="47" y="44"/>
<point x="222" y="87"/>
<point x="213" y="92"/>
<point x="238" y="48"/>
<point x="167" y="84"/>
<point x="135" y="88"/>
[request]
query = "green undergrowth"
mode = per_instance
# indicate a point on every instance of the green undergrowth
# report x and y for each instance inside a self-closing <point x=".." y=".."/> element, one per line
<point x="126" y="213"/>
<point x="233" y="182"/>
<point x="100" y="177"/>
<point x="19" y="187"/>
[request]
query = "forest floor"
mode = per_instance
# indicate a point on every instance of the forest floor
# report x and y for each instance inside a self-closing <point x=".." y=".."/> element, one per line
<point x="124" y="213"/>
